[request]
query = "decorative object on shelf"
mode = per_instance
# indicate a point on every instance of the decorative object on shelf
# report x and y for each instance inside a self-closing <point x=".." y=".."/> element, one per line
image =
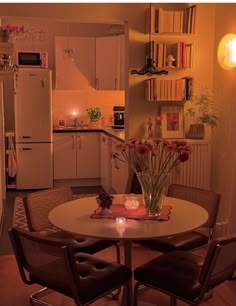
<point x="152" y="160"/>
<point x="202" y="111"/>
<point x="150" y="133"/>
<point x="131" y="201"/>
<point x="173" y="121"/>
<point x="6" y="63"/>
<point x="159" y="126"/>
<point x="169" y="61"/>
<point x="149" y="67"/>
<point x="104" y="201"/>
<point x="94" y="114"/>
<point x="226" y="52"/>
<point x="10" y="31"/>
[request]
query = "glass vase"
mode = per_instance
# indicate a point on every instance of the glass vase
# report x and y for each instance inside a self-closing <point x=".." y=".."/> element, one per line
<point x="153" y="187"/>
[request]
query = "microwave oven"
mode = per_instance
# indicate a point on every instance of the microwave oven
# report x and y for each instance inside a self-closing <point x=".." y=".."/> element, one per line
<point x="32" y="59"/>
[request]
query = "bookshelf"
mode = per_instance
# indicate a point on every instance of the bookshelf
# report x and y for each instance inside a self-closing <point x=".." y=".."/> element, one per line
<point x="171" y="50"/>
<point x="168" y="90"/>
<point x="182" y="53"/>
<point x="182" y="21"/>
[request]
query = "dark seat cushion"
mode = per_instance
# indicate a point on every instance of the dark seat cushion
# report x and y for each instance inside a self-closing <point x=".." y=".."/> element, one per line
<point x="176" y="271"/>
<point x="83" y="244"/>
<point x="96" y="277"/>
<point x="186" y="241"/>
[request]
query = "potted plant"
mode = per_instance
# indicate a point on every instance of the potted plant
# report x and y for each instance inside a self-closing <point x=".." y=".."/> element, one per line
<point x="201" y="112"/>
<point x="94" y="114"/>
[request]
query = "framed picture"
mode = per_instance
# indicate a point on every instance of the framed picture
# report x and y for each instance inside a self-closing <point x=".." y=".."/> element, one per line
<point x="172" y="121"/>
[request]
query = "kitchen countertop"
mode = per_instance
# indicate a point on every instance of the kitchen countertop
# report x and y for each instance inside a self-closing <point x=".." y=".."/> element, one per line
<point x="117" y="133"/>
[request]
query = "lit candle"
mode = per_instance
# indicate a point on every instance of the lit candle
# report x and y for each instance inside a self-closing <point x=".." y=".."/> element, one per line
<point x="120" y="221"/>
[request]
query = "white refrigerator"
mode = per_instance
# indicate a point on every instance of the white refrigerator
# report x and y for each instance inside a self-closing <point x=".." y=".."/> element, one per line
<point x="33" y="128"/>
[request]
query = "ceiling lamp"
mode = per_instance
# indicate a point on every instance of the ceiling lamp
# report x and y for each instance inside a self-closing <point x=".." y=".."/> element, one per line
<point x="227" y="52"/>
<point x="149" y="68"/>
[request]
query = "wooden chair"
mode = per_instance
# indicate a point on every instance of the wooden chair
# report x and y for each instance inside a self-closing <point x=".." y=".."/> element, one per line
<point x="55" y="265"/>
<point x="179" y="274"/>
<point x="37" y="207"/>
<point x="193" y="239"/>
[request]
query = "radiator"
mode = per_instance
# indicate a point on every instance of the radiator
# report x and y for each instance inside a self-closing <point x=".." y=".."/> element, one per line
<point x="196" y="171"/>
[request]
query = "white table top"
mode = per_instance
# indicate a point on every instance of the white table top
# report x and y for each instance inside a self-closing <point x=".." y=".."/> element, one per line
<point x="74" y="216"/>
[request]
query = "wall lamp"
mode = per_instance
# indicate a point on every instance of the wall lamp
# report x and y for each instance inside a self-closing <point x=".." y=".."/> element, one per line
<point x="227" y="52"/>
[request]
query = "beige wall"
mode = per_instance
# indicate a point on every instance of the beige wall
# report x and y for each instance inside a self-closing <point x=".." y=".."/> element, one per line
<point x="224" y="138"/>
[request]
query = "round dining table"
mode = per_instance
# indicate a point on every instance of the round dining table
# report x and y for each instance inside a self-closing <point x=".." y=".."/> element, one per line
<point x="76" y="217"/>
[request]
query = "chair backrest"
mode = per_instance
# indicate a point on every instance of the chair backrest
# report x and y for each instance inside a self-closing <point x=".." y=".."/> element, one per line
<point x="219" y="264"/>
<point x="45" y="261"/>
<point x="38" y="205"/>
<point x="208" y="199"/>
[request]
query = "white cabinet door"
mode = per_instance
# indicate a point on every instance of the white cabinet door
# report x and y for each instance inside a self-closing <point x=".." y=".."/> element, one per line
<point x="109" y="63"/>
<point x="119" y="171"/>
<point x="105" y="165"/>
<point x="64" y="155"/>
<point x="88" y="154"/>
<point x="75" y="62"/>
<point x="76" y="155"/>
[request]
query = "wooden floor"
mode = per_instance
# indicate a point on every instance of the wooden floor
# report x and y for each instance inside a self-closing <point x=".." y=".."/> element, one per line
<point x="13" y="292"/>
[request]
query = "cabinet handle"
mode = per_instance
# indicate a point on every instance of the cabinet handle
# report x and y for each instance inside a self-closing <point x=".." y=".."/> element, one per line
<point x="103" y="139"/>
<point x="97" y="83"/>
<point x="73" y="142"/>
<point x="115" y="161"/>
<point x="116" y="164"/>
<point x="79" y="142"/>
<point x="25" y="149"/>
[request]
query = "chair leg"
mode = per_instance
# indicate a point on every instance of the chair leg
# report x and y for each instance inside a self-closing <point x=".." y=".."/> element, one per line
<point x="115" y="295"/>
<point x="172" y="300"/>
<point x="135" y="297"/>
<point x="34" y="298"/>
<point x="117" y="252"/>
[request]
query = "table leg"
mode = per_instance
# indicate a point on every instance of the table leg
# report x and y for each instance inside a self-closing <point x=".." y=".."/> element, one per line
<point x="127" y="296"/>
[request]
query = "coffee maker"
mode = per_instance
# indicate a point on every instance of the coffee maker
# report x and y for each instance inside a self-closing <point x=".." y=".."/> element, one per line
<point x="119" y="117"/>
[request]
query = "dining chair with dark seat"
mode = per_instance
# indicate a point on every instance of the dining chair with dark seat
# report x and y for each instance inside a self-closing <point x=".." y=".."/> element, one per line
<point x="179" y="274"/>
<point x="51" y="263"/>
<point x="194" y="239"/>
<point x="37" y="207"/>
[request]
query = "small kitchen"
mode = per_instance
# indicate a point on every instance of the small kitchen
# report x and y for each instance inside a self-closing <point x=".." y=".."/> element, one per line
<point x="80" y="66"/>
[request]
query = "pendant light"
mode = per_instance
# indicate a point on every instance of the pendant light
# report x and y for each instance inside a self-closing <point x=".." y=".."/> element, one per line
<point x="149" y="68"/>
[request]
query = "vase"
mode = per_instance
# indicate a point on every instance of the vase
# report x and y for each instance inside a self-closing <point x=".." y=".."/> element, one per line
<point x="196" y="131"/>
<point x="153" y="187"/>
<point x="94" y="123"/>
<point x="105" y="211"/>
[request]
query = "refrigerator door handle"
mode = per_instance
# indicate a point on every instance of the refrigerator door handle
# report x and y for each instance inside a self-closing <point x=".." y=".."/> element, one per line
<point x="23" y="137"/>
<point x="25" y="149"/>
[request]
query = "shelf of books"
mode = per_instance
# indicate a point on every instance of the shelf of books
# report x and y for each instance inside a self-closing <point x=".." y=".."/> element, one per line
<point x="182" y="53"/>
<point x="160" y="20"/>
<point x="168" y="90"/>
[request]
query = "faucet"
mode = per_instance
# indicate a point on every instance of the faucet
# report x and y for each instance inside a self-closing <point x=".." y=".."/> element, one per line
<point x="78" y="124"/>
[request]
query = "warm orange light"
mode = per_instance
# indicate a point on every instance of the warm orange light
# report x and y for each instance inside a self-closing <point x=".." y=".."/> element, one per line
<point x="74" y="114"/>
<point x="227" y="51"/>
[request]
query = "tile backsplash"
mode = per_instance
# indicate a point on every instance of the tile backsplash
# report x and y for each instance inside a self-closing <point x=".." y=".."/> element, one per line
<point x="65" y="102"/>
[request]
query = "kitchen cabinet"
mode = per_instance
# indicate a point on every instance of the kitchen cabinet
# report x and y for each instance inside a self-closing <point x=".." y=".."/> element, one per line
<point x="110" y="63"/>
<point x="91" y="62"/>
<point x="75" y="57"/>
<point x="119" y="171"/>
<point x="76" y="155"/>
<point x="105" y="164"/>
